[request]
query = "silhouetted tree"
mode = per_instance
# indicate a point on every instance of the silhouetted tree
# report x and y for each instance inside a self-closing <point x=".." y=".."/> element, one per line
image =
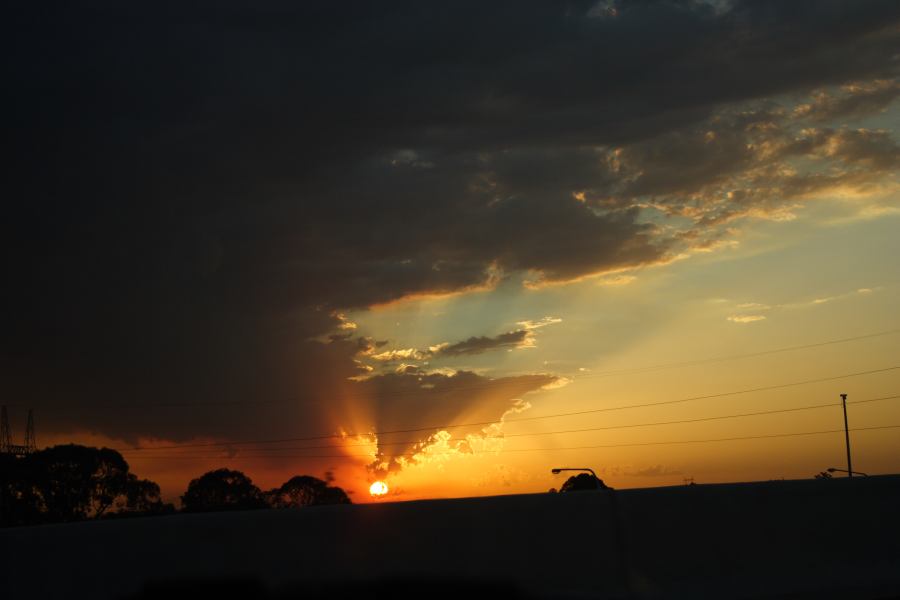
<point x="222" y="489"/>
<point x="304" y="490"/>
<point x="20" y="501"/>
<point x="71" y="483"/>
<point x="142" y="497"/>
<point x="582" y="482"/>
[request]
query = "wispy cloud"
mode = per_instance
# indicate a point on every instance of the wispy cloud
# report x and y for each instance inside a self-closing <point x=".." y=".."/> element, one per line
<point x="750" y="310"/>
<point x="746" y="318"/>
<point x="344" y="323"/>
<point x="532" y="325"/>
<point x="754" y="305"/>
<point x="400" y="354"/>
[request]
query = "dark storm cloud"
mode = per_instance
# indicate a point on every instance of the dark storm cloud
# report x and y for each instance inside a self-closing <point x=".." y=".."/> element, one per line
<point x="759" y="161"/>
<point x="416" y="398"/>
<point x="196" y="187"/>
<point x="855" y="100"/>
<point x="480" y="344"/>
<point x="523" y="337"/>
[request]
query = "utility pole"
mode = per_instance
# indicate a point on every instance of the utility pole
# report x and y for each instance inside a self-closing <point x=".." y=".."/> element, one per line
<point x="847" y="436"/>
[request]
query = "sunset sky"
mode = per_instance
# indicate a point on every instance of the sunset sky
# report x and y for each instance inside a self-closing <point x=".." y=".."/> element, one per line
<point x="451" y="245"/>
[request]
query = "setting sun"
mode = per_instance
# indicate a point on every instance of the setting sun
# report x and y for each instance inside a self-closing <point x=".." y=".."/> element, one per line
<point x="379" y="488"/>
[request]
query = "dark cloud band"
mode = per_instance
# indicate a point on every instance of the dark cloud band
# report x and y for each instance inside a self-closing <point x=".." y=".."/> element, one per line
<point x="196" y="187"/>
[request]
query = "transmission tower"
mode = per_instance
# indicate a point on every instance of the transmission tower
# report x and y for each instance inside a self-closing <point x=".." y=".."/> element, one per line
<point x="5" y="441"/>
<point x="6" y="445"/>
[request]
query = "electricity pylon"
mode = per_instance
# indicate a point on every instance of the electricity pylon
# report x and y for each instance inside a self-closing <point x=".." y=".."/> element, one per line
<point x="6" y="445"/>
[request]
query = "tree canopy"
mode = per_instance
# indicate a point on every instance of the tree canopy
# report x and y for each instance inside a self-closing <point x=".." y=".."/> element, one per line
<point x="225" y="489"/>
<point x="71" y="483"/>
<point x="304" y="490"/>
<point x="222" y="489"/>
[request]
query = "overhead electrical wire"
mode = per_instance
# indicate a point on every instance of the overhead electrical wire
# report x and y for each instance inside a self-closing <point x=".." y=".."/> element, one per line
<point x="596" y="447"/>
<point x="215" y="449"/>
<point x="522" y="419"/>
<point x="218" y="451"/>
<point x="493" y="383"/>
<point x="706" y="361"/>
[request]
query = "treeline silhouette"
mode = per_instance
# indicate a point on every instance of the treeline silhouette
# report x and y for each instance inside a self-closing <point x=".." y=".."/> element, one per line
<point x="75" y="483"/>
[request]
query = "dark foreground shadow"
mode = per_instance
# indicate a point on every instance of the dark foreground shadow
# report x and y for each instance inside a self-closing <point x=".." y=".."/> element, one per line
<point x="383" y="589"/>
<point x="418" y="588"/>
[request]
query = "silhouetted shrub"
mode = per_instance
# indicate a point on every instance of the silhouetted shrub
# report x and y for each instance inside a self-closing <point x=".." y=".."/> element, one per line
<point x="222" y="489"/>
<point x="583" y="482"/>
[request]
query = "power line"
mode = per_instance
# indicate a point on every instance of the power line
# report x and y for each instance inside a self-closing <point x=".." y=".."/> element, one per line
<point x="534" y="418"/>
<point x="569" y="431"/>
<point x="703" y="441"/>
<point x="706" y="361"/>
<point x="710" y="396"/>
<point x="704" y="419"/>
<point x="494" y="383"/>
<point x="602" y="446"/>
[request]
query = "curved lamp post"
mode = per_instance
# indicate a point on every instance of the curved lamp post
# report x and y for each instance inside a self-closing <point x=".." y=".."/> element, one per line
<point x="559" y="470"/>
<point x="621" y="547"/>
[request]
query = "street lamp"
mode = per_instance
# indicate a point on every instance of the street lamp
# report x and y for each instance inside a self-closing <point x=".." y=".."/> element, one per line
<point x="834" y="470"/>
<point x="618" y="532"/>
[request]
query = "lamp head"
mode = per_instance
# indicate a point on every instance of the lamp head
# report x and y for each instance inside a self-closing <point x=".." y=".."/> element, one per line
<point x="555" y="471"/>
